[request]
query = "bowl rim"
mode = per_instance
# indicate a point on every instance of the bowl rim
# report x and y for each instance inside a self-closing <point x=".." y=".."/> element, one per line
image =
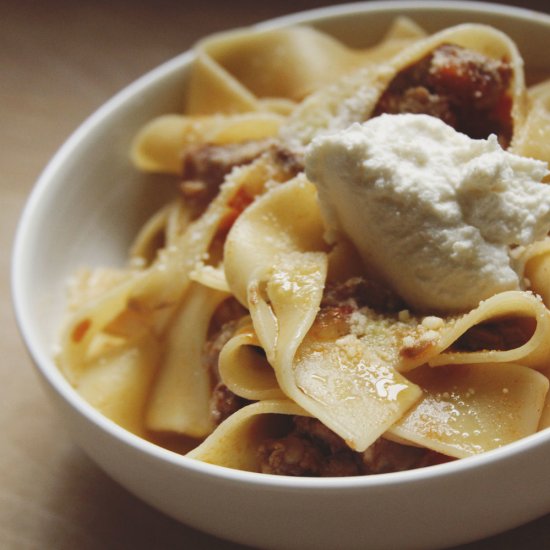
<point x="49" y="371"/>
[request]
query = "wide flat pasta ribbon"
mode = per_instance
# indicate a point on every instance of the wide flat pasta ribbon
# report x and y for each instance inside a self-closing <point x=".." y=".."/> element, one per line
<point x="210" y="276"/>
<point x="160" y="144"/>
<point x="545" y="414"/>
<point x="351" y="389"/>
<point x="470" y="409"/>
<point x="243" y="66"/>
<point x="533" y="138"/>
<point x="180" y="399"/>
<point x="535" y="352"/>
<point x="536" y="269"/>
<point x="535" y="263"/>
<point x="212" y="90"/>
<point x="118" y="383"/>
<point x="235" y="442"/>
<point x="165" y="226"/>
<point x="244" y="369"/>
<point x="275" y="262"/>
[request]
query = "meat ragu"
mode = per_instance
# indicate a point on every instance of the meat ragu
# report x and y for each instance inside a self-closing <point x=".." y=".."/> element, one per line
<point x="307" y="447"/>
<point x="361" y="292"/>
<point x="310" y="449"/>
<point x="465" y="89"/>
<point x="223" y="402"/>
<point x="497" y="334"/>
<point x="204" y="167"/>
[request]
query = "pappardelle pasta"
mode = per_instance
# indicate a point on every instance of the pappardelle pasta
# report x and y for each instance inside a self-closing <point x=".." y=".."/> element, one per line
<point x="255" y="329"/>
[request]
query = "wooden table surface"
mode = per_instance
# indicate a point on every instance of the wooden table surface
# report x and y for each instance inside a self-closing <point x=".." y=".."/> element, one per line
<point x="59" y="61"/>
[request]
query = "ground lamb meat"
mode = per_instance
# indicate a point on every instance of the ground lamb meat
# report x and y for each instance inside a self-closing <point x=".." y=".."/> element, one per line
<point x="315" y="430"/>
<point x="467" y="77"/>
<point x="499" y="334"/>
<point x="419" y="100"/>
<point x="223" y="402"/>
<point x="204" y="167"/>
<point x="290" y="162"/>
<point x="341" y="299"/>
<point x="465" y="89"/>
<point x="311" y="449"/>
<point x="359" y="292"/>
<point x="385" y="456"/>
<point x="214" y="345"/>
<point x="290" y="456"/>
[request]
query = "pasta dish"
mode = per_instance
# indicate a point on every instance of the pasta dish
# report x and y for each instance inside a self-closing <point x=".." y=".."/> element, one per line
<point x="353" y="275"/>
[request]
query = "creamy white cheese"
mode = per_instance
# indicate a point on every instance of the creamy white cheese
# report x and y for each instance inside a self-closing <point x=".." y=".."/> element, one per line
<point x="431" y="211"/>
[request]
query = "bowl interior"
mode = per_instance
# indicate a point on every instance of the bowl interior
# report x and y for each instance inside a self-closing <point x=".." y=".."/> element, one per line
<point x="89" y="202"/>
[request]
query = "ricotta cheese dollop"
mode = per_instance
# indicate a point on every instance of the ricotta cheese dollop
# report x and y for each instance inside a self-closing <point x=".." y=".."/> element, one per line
<point x="432" y="212"/>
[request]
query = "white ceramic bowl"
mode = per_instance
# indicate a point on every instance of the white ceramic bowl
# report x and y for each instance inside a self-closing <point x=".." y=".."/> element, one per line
<point x="84" y="210"/>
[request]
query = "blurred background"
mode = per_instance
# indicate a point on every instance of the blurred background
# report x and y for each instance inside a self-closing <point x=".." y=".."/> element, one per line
<point x="59" y="61"/>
